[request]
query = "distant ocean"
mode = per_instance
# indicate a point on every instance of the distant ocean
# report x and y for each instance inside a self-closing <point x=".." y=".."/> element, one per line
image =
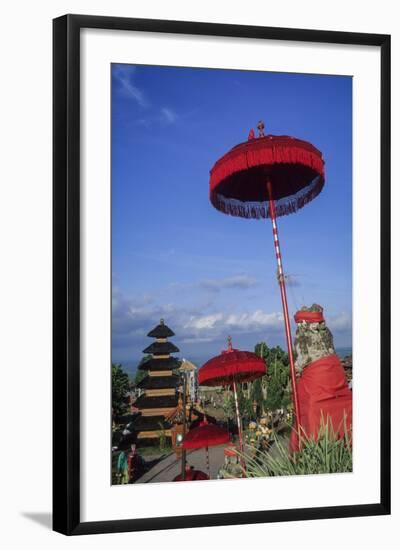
<point x="342" y="352"/>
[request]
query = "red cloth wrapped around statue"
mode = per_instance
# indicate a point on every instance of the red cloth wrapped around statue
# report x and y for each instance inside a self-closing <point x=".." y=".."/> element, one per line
<point x="323" y="393"/>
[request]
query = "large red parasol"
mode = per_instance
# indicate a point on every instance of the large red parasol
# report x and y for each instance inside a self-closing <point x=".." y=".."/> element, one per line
<point x="229" y="368"/>
<point x="238" y="180"/>
<point x="269" y="176"/>
<point x="204" y="436"/>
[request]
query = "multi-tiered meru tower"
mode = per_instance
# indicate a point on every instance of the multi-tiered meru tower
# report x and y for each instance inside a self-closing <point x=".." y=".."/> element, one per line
<point x="160" y="386"/>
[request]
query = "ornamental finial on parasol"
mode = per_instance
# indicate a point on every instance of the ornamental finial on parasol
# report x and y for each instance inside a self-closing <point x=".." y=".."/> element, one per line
<point x="260" y="128"/>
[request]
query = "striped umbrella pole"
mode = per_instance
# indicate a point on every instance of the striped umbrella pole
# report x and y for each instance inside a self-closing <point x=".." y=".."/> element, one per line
<point x="239" y="423"/>
<point x="208" y="462"/>
<point x="282" y="286"/>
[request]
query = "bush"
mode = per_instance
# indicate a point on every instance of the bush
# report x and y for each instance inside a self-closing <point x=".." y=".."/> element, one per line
<point x="327" y="454"/>
<point x="120" y="386"/>
<point x="276" y="381"/>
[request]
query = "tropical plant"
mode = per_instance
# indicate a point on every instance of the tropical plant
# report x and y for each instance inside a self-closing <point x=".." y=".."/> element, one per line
<point x="275" y="385"/>
<point x="163" y="443"/>
<point x="228" y="404"/>
<point x="120" y="386"/>
<point x="140" y="374"/>
<point x="325" y="454"/>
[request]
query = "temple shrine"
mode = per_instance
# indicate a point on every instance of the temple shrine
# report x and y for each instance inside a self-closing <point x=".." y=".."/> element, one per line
<point x="160" y="386"/>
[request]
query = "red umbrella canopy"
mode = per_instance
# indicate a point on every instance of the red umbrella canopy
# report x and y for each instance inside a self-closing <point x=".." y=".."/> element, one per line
<point x="238" y="180"/>
<point x="205" y="435"/>
<point x="232" y="365"/>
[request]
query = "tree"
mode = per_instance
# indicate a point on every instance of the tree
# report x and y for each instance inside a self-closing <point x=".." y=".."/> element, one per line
<point x="120" y="387"/>
<point x="277" y="378"/>
<point x="257" y="396"/>
<point x="140" y="374"/>
<point x="228" y="404"/>
<point x="245" y="404"/>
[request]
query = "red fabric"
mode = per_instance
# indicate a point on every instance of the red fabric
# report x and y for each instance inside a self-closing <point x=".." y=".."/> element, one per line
<point x="309" y="316"/>
<point x="323" y="393"/>
<point x="191" y="475"/>
<point x="231" y="450"/>
<point x="238" y="179"/>
<point x="231" y="365"/>
<point x="206" y="435"/>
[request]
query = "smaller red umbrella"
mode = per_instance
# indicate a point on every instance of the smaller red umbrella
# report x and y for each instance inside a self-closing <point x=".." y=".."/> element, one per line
<point x="191" y="475"/>
<point x="204" y="436"/>
<point x="230" y="368"/>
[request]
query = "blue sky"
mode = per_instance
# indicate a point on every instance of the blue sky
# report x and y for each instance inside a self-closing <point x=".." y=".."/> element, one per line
<point x="174" y="256"/>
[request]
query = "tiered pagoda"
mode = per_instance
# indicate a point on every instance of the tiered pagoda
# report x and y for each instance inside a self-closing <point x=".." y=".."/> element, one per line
<point x="160" y="386"/>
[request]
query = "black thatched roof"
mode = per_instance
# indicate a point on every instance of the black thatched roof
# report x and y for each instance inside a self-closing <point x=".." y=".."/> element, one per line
<point x="161" y="348"/>
<point x="159" y="382"/>
<point x="149" y="423"/>
<point x="161" y="331"/>
<point x="156" y="402"/>
<point x="160" y="364"/>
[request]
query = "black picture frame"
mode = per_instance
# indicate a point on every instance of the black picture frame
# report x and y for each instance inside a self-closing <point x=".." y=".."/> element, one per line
<point x="66" y="272"/>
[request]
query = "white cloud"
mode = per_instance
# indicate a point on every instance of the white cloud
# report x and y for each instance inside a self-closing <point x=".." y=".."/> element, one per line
<point x="124" y="76"/>
<point x="255" y="320"/>
<point x="168" y="115"/>
<point x="197" y="340"/>
<point x="236" y="281"/>
<point x="132" y="318"/>
<point x="205" y="322"/>
<point x="340" y="322"/>
<point x="220" y="323"/>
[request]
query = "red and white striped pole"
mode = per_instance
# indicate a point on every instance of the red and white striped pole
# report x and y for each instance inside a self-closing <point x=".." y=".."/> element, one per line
<point x="239" y="422"/>
<point x="282" y="286"/>
<point x="208" y="463"/>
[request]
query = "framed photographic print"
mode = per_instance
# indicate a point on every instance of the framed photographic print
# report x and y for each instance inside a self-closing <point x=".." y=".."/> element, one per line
<point x="221" y="274"/>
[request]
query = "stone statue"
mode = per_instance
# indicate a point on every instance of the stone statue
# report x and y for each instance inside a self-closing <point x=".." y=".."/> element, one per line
<point x="313" y="339"/>
<point x="323" y="392"/>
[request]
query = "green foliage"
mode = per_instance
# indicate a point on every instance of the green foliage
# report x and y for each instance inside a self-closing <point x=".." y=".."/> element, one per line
<point x="326" y="454"/>
<point x="144" y="360"/>
<point x="269" y="392"/>
<point x="163" y="441"/>
<point x="120" y="387"/>
<point x="228" y="404"/>
<point x="277" y="378"/>
<point x="245" y="404"/>
<point x="140" y="374"/>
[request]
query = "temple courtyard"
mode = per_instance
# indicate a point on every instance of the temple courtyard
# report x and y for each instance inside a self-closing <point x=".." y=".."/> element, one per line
<point x="170" y="466"/>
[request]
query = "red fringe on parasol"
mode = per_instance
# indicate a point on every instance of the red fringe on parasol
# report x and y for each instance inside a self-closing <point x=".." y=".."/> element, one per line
<point x="238" y="179"/>
<point x="241" y="366"/>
